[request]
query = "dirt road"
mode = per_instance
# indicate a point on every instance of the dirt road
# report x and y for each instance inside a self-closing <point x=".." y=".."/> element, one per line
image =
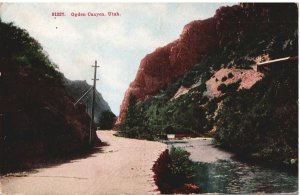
<point x="122" y="167"/>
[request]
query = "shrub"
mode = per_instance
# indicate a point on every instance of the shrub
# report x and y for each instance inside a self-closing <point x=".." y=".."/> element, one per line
<point x="172" y="89"/>
<point x="233" y="87"/>
<point x="230" y="75"/>
<point x="222" y="88"/>
<point x="230" y="88"/>
<point x="224" y="78"/>
<point x="189" y="78"/>
<point x="107" y="120"/>
<point x="180" y="166"/>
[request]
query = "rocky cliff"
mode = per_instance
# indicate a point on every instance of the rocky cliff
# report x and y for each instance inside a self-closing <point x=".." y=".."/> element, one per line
<point x="167" y="63"/>
<point x="198" y="40"/>
<point x="77" y="88"/>
<point x="213" y="89"/>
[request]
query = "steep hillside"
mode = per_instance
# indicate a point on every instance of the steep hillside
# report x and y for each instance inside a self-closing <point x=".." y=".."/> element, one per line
<point x="77" y="88"/>
<point x="199" y="39"/>
<point x="167" y="63"/>
<point x="37" y="117"/>
<point x="216" y="92"/>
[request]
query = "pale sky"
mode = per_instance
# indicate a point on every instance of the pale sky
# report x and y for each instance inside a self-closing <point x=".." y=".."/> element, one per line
<point x="117" y="43"/>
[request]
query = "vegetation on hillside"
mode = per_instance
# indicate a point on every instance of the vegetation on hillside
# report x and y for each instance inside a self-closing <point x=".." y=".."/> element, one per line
<point x="37" y="117"/>
<point x="18" y="48"/>
<point x="260" y="122"/>
<point x="263" y="121"/>
<point x="77" y="88"/>
<point x="107" y="120"/>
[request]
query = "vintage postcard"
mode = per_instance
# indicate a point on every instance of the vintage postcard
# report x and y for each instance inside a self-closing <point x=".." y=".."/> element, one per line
<point x="148" y="98"/>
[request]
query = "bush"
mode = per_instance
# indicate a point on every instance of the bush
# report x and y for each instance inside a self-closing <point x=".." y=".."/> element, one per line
<point x="230" y="75"/>
<point x="233" y="87"/>
<point x="172" y="89"/>
<point x="222" y="88"/>
<point x="180" y="166"/>
<point x="188" y="78"/>
<point x="107" y="120"/>
<point x="230" y="88"/>
<point x="224" y="78"/>
<point x="174" y="173"/>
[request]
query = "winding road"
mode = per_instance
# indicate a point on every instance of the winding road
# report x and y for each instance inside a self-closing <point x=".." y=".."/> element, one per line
<point x="121" y="167"/>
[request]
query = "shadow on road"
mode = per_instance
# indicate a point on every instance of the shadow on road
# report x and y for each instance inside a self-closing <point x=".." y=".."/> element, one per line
<point x="48" y="162"/>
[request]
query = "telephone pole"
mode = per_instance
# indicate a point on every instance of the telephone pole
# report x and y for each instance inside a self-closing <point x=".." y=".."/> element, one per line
<point x="93" y="103"/>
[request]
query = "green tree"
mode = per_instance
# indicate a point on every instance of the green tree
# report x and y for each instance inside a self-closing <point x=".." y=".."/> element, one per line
<point x="107" y="120"/>
<point x="129" y="125"/>
<point x="130" y="114"/>
<point x="135" y="124"/>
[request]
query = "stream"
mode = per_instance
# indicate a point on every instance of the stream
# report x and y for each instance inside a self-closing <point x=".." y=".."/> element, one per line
<point x="217" y="172"/>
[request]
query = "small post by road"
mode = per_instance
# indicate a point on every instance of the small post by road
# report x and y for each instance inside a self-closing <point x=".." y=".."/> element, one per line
<point x="93" y="103"/>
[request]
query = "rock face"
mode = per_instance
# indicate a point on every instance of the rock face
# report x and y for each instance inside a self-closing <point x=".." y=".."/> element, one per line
<point x="167" y="63"/>
<point x="77" y="88"/>
<point x="197" y="40"/>
<point x="247" y="78"/>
